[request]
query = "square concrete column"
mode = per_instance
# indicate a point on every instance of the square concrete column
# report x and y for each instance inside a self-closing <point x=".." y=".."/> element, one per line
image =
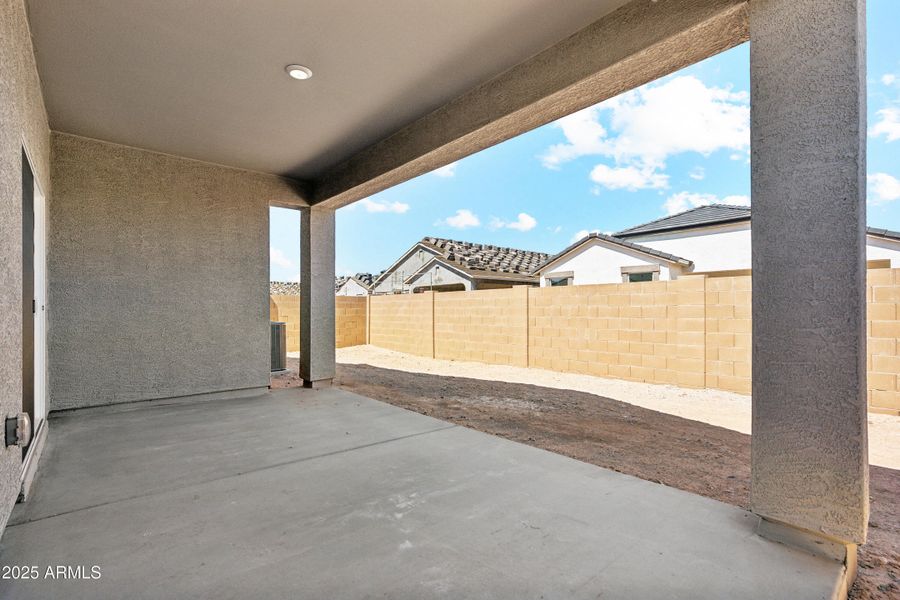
<point x="316" y="296"/>
<point x="808" y="123"/>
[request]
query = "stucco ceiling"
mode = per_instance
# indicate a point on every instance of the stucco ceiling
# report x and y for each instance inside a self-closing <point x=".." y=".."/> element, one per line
<point x="205" y="78"/>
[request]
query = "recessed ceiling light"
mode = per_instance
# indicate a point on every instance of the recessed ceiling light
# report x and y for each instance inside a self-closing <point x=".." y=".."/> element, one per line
<point x="298" y="71"/>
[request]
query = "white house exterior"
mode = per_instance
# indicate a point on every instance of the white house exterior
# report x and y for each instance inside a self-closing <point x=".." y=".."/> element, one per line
<point x="724" y="247"/>
<point x="599" y="258"/>
<point x="707" y="239"/>
<point x="717" y="238"/>
<point x="392" y="280"/>
<point x="353" y="286"/>
<point x="440" y="264"/>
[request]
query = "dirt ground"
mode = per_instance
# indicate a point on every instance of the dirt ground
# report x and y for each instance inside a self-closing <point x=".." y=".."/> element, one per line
<point x="671" y="450"/>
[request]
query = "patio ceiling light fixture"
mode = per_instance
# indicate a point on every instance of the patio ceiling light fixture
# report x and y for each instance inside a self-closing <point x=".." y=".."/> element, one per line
<point x="298" y="71"/>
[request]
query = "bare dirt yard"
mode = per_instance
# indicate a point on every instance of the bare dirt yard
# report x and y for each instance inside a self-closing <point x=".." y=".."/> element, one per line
<point x="672" y="450"/>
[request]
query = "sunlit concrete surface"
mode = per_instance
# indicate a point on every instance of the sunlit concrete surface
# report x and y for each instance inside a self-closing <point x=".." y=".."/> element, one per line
<point x="326" y="494"/>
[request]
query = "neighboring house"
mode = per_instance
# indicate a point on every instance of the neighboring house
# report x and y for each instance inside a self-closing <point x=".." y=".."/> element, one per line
<point x="706" y="239"/>
<point x="284" y="288"/>
<point x="600" y="258"/>
<point x="448" y="265"/>
<point x="717" y="238"/>
<point x="356" y="285"/>
<point x="714" y="237"/>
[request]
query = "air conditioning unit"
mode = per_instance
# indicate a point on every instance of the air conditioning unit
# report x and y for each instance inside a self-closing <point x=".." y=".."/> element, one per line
<point x="279" y="346"/>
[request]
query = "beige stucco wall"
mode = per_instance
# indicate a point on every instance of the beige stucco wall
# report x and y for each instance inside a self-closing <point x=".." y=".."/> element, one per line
<point x="23" y="118"/>
<point x="158" y="275"/>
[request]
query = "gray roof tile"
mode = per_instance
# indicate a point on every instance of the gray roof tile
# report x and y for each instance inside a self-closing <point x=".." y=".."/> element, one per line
<point x="486" y="257"/>
<point x="714" y="214"/>
<point x="696" y="217"/>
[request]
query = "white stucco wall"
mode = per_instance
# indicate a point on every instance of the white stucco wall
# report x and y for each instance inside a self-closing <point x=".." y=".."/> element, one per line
<point x="601" y="262"/>
<point x="880" y="249"/>
<point x="727" y="247"/>
<point x="439" y="275"/>
<point x="717" y="248"/>
<point x="394" y="278"/>
<point x="352" y="288"/>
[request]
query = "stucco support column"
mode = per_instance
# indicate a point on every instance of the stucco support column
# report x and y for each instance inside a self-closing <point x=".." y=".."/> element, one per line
<point x="808" y="116"/>
<point x="316" y="296"/>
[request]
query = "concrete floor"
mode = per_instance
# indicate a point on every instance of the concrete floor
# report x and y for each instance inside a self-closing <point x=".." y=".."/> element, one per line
<point x="325" y="494"/>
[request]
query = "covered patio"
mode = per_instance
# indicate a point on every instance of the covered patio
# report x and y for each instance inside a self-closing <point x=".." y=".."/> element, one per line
<point x="141" y="146"/>
<point x="327" y="494"/>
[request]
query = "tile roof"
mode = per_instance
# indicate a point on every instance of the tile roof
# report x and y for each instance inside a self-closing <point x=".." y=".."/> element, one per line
<point x="885" y="233"/>
<point x="696" y="217"/>
<point x="363" y="279"/>
<point x="486" y="259"/>
<point x="619" y="242"/>
<point x="284" y="288"/>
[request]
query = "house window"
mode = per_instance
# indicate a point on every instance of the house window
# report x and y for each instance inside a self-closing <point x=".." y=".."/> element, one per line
<point x="635" y="277"/>
<point x="557" y="279"/>
<point x="640" y="273"/>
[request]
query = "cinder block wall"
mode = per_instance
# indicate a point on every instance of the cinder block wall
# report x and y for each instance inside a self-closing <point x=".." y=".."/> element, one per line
<point x="691" y="332"/>
<point x="491" y="326"/>
<point x="287" y="310"/>
<point x="651" y="332"/>
<point x="350" y="320"/>
<point x="728" y="333"/>
<point x="403" y="322"/>
<point x="883" y="329"/>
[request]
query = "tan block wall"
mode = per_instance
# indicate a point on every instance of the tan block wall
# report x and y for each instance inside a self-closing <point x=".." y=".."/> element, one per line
<point x="350" y="320"/>
<point x="489" y="326"/>
<point x="651" y="332"/>
<point x="883" y="330"/>
<point x="403" y="322"/>
<point x="728" y="333"/>
<point x="691" y="332"/>
<point x="286" y="308"/>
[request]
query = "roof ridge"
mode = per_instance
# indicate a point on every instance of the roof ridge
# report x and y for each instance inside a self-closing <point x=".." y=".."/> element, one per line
<point x="426" y="239"/>
<point x="678" y="214"/>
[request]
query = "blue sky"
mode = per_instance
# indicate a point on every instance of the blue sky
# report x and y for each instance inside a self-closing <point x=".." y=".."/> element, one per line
<point x="676" y="143"/>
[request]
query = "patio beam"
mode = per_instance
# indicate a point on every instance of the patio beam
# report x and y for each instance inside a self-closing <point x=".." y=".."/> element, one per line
<point x="633" y="45"/>
<point x="317" y="296"/>
<point x="808" y="117"/>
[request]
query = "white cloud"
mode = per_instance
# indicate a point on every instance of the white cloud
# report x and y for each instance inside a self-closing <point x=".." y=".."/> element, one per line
<point x="888" y="79"/>
<point x="697" y="173"/>
<point x="584" y="136"/>
<point x="888" y="124"/>
<point x="446" y="170"/>
<point x="279" y="259"/>
<point x="524" y="222"/>
<point x="654" y="122"/>
<point x="883" y="188"/>
<point x="373" y="206"/>
<point x="463" y="219"/>
<point x="629" y="178"/>
<point x="683" y="201"/>
<point x="583" y="233"/>
<point x="555" y="230"/>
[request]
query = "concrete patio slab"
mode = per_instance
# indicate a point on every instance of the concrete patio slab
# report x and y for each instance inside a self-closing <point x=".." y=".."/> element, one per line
<point x="326" y="494"/>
